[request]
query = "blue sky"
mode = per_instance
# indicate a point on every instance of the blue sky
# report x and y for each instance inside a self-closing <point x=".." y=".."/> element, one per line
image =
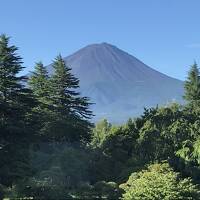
<point x="164" y="34"/>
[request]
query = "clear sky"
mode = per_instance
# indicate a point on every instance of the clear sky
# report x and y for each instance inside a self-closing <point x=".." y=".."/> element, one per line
<point x="164" y="34"/>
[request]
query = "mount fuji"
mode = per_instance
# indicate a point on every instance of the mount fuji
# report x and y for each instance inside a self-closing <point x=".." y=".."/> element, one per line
<point x="118" y="84"/>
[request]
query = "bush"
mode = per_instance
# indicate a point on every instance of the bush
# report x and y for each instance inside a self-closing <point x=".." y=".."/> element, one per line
<point x="159" y="181"/>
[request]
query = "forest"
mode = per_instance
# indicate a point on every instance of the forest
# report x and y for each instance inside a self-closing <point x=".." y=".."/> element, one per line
<point x="50" y="149"/>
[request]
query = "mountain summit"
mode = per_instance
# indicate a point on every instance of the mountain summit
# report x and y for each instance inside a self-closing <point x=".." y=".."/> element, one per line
<point x="119" y="84"/>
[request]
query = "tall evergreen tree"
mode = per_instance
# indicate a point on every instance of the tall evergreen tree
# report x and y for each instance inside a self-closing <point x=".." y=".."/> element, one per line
<point x="39" y="83"/>
<point x="16" y="117"/>
<point x="192" y="86"/>
<point x="72" y="110"/>
<point x="64" y="86"/>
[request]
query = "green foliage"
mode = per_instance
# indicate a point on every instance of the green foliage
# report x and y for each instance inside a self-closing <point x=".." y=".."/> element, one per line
<point x="107" y="190"/>
<point x="186" y="151"/>
<point x="99" y="133"/>
<point x="159" y="181"/>
<point x="192" y="87"/>
<point x="2" y="191"/>
<point x="17" y="121"/>
<point x="151" y="142"/>
<point x="64" y="112"/>
<point x="75" y="165"/>
<point x="114" y="155"/>
<point x="47" y="186"/>
<point x="196" y="151"/>
<point x="60" y="171"/>
<point x="64" y="96"/>
<point x="39" y="83"/>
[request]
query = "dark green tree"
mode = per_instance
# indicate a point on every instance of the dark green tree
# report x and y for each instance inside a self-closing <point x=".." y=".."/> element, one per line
<point x="100" y="131"/>
<point x="192" y="86"/>
<point x="17" y="127"/>
<point x="39" y="84"/>
<point x="71" y="110"/>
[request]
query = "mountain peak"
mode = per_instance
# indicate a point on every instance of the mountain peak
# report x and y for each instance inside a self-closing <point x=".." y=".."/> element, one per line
<point x="99" y="46"/>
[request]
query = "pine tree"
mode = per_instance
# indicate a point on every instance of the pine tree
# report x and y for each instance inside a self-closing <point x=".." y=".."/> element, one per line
<point x="192" y="86"/>
<point x="16" y="118"/>
<point x="16" y="100"/>
<point x="72" y="110"/>
<point x="38" y="82"/>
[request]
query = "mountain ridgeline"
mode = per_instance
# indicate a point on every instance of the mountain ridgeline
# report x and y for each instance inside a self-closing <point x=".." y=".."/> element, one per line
<point x="118" y="84"/>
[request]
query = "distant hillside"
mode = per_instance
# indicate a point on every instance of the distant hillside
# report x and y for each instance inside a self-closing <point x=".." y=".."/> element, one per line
<point x="119" y="84"/>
